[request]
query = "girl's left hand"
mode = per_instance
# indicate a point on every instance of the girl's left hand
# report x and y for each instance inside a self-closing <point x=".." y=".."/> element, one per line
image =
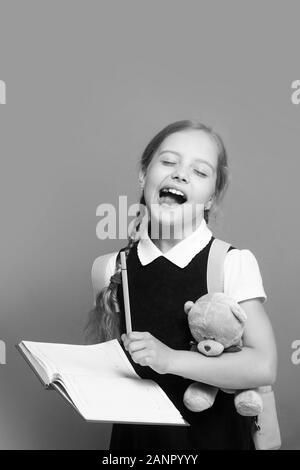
<point x="147" y="350"/>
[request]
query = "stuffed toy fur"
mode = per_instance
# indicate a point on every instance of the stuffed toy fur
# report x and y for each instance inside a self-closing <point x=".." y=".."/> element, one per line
<point x="217" y="323"/>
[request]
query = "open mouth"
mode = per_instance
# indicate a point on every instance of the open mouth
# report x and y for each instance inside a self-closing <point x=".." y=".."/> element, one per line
<point x="171" y="196"/>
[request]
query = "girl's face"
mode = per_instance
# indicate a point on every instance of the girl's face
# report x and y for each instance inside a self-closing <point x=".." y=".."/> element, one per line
<point x="181" y="178"/>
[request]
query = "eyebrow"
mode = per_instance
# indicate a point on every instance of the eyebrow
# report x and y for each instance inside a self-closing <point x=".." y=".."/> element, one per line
<point x="179" y="155"/>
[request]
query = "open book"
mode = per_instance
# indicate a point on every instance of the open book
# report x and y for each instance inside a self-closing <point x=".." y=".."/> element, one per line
<point x="100" y="383"/>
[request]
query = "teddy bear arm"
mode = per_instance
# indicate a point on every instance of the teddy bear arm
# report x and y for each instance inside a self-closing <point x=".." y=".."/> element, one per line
<point x="248" y="403"/>
<point x="199" y="396"/>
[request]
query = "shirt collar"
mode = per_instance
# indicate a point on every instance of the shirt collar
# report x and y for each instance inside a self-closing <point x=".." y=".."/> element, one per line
<point x="181" y="254"/>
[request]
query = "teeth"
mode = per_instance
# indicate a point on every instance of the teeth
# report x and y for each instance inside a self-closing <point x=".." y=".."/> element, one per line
<point x="174" y="191"/>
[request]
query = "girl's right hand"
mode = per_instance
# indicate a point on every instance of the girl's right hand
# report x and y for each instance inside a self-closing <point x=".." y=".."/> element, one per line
<point x="146" y="350"/>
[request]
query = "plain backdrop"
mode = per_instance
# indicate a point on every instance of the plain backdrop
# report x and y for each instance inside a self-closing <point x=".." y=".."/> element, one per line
<point x="88" y="84"/>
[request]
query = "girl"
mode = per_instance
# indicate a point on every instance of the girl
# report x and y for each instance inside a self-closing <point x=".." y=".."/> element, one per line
<point x="184" y="164"/>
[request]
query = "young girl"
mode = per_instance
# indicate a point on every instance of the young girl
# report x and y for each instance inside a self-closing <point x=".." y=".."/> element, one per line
<point x="185" y="163"/>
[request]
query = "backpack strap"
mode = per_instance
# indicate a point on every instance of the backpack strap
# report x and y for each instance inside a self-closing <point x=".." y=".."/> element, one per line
<point x="215" y="265"/>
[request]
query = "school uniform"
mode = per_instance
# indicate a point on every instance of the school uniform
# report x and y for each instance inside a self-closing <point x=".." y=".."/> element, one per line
<point x="159" y="285"/>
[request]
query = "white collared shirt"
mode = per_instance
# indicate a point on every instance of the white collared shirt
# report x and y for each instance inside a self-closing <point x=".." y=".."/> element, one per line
<point x="242" y="277"/>
<point x="181" y="254"/>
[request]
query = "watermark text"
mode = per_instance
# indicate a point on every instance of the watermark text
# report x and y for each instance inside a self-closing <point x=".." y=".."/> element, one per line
<point x="164" y="221"/>
<point x="295" y="358"/>
<point x="2" y="352"/>
<point x="2" y="92"/>
<point x="295" y="96"/>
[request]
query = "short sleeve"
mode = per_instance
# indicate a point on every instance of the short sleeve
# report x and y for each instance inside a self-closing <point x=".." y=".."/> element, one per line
<point x="111" y="266"/>
<point x="242" y="277"/>
<point x="102" y="270"/>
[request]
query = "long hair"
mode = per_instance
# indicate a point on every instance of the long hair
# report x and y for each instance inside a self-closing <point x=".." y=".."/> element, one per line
<point x="104" y="319"/>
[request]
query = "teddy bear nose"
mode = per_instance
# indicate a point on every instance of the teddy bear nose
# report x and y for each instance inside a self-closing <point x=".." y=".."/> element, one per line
<point x="207" y="348"/>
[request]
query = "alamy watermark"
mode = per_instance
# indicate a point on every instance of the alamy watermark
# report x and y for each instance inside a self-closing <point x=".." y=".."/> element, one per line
<point x="166" y="220"/>
<point x="2" y="101"/>
<point x="2" y="92"/>
<point x="2" y="352"/>
<point x="295" y="96"/>
<point x="295" y="358"/>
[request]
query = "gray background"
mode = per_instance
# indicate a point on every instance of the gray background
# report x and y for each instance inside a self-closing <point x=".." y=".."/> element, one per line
<point x="88" y="84"/>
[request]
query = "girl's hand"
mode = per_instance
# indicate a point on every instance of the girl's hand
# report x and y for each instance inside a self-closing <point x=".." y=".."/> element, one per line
<point x="147" y="350"/>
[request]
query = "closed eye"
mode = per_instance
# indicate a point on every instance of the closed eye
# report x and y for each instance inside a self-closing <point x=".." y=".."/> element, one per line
<point x="200" y="173"/>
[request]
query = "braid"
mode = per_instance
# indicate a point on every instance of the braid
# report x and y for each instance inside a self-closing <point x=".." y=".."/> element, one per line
<point x="104" y="319"/>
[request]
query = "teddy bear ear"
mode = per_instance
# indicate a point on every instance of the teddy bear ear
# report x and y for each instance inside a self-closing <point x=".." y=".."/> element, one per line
<point x="187" y="306"/>
<point x="239" y="313"/>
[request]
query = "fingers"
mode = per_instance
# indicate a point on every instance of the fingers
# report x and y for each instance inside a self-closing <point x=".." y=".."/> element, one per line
<point x="134" y="346"/>
<point x="147" y="350"/>
<point x="135" y="336"/>
<point x="138" y="335"/>
<point x="141" y="357"/>
<point x="137" y="343"/>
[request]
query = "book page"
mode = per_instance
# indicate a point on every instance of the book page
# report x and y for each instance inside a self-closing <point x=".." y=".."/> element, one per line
<point x="128" y="400"/>
<point x="104" y="359"/>
<point x="36" y="364"/>
<point x="102" y="384"/>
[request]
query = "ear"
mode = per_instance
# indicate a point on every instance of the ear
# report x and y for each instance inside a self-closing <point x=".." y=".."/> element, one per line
<point x="188" y="306"/>
<point x="239" y="313"/>
<point x="209" y="203"/>
<point x="141" y="178"/>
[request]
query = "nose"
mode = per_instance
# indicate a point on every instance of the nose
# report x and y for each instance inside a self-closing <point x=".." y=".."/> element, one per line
<point x="180" y="173"/>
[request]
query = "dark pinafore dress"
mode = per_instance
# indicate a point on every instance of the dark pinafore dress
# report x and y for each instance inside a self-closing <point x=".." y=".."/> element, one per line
<point x="158" y="292"/>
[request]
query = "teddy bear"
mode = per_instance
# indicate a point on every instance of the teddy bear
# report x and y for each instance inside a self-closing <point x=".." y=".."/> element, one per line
<point x="217" y="322"/>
